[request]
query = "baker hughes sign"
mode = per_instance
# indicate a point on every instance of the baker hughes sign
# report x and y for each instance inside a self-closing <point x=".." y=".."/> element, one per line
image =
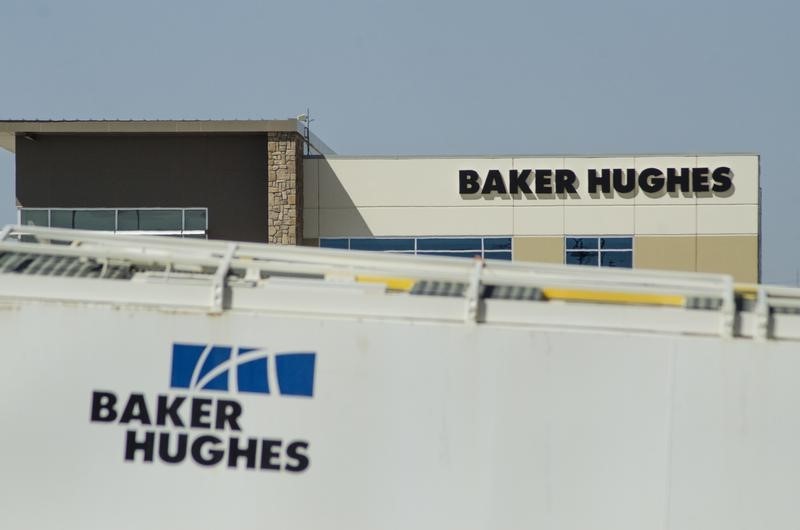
<point x="198" y="421"/>
<point x="653" y="181"/>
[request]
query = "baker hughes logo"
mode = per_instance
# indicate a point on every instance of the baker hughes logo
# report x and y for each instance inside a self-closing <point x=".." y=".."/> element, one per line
<point x="205" y="429"/>
<point x="209" y="367"/>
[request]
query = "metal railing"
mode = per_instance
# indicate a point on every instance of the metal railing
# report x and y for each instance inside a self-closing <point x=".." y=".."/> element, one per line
<point x="486" y="287"/>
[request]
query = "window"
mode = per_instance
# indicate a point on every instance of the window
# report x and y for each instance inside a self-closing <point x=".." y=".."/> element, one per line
<point x="184" y="222"/>
<point x="465" y="247"/>
<point x="603" y="251"/>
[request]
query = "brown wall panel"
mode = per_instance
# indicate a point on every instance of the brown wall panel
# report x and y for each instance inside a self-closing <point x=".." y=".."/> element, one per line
<point x="226" y="173"/>
<point x="673" y="253"/>
<point x="734" y="255"/>
<point x="539" y="249"/>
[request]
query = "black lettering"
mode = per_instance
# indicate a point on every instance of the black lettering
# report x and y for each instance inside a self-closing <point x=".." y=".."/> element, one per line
<point x="603" y="181"/>
<point x="293" y="452"/>
<point x="722" y="179"/>
<point x="519" y="181"/>
<point x="630" y="181"/>
<point x="212" y="456"/>
<point x="270" y="452"/>
<point x="201" y="413"/>
<point x="163" y="448"/>
<point x="132" y="445"/>
<point x="135" y="409"/>
<point x="228" y="412"/>
<point x="651" y="180"/>
<point x="468" y="182"/>
<point x="249" y="452"/>
<point x="675" y="179"/>
<point x="565" y="181"/>
<point x="103" y="406"/>
<point x="494" y="183"/>
<point x="165" y="409"/>
<point x="700" y="180"/>
<point x="542" y="180"/>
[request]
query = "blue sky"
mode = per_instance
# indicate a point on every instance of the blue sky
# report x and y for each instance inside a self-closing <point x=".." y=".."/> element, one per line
<point x="448" y="77"/>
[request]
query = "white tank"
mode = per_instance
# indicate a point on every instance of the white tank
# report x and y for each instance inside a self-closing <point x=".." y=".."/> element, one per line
<point x="158" y="383"/>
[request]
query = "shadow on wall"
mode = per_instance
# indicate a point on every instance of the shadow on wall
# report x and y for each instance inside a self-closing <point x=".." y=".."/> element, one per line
<point x="8" y="210"/>
<point x="328" y="210"/>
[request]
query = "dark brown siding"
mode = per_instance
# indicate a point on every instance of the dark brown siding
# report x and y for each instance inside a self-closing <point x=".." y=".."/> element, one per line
<point x="225" y="173"/>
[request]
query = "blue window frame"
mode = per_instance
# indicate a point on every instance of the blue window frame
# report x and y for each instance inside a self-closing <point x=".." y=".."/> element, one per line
<point x="463" y="247"/>
<point x="599" y="251"/>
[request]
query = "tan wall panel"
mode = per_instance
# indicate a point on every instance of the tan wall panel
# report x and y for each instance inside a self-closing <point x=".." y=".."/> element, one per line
<point x="727" y="219"/>
<point x="412" y="221"/>
<point x="310" y="223"/>
<point x="665" y="253"/>
<point x="734" y="255"/>
<point x="539" y="249"/>
<point x="539" y="221"/>
<point x="598" y="220"/>
<point x="392" y="182"/>
<point x="666" y="220"/>
<point x="311" y="182"/>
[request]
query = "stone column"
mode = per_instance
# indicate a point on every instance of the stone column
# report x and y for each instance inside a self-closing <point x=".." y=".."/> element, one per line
<point x="284" y="188"/>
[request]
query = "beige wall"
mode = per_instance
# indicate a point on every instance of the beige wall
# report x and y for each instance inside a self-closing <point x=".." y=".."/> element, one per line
<point x="418" y="196"/>
<point x="677" y="253"/>
<point x="734" y="255"/>
<point x="539" y="249"/>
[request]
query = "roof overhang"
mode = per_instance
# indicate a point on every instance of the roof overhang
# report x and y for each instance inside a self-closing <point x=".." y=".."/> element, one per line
<point x="10" y="129"/>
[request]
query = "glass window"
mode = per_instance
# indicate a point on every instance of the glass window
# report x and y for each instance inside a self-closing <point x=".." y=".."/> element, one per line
<point x="450" y="243"/>
<point x="497" y="243"/>
<point x="617" y="259"/>
<point x="460" y="254"/>
<point x="334" y="243"/>
<point x="575" y="243"/>
<point x="194" y="220"/>
<point x="381" y="244"/>
<point x="94" y="220"/>
<point x="462" y="247"/>
<point x="578" y="257"/>
<point x="160" y="220"/>
<point x="128" y="220"/>
<point x="62" y="218"/>
<point x="623" y="243"/>
<point x="506" y="256"/>
<point x="605" y="251"/>
<point x="34" y="217"/>
<point x="173" y="221"/>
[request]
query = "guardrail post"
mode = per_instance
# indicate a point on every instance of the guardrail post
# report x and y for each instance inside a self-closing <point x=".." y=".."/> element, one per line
<point x="761" y="331"/>
<point x="220" y="279"/>
<point x="473" y="293"/>
<point x="728" y="310"/>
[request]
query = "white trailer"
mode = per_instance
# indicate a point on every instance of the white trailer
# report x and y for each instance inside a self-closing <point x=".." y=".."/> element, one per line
<point x="171" y="384"/>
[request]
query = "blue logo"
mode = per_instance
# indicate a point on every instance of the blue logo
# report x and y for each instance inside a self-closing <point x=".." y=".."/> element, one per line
<point x="238" y="369"/>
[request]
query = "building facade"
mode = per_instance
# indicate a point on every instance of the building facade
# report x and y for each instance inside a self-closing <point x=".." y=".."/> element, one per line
<point x="250" y="180"/>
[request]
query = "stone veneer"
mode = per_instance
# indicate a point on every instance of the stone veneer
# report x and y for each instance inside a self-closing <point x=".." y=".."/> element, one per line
<point x="284" y="188"/>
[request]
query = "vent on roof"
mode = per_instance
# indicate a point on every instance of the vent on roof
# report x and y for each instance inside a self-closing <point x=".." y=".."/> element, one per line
<point x="69" y="266"/>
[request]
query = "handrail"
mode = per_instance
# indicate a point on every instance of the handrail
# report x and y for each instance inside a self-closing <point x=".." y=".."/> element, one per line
<point x="217" y="262"/>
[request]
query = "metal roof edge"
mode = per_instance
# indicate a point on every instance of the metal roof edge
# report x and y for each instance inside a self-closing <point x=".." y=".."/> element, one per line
<point x="499" y="156"/>
<point x="147" y="126"/>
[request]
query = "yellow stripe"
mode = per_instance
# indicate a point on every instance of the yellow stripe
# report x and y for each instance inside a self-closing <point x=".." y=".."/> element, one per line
<point x="395" y="284"/>
<point x="612" y="297"/>
<point x="746" y="290"/>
